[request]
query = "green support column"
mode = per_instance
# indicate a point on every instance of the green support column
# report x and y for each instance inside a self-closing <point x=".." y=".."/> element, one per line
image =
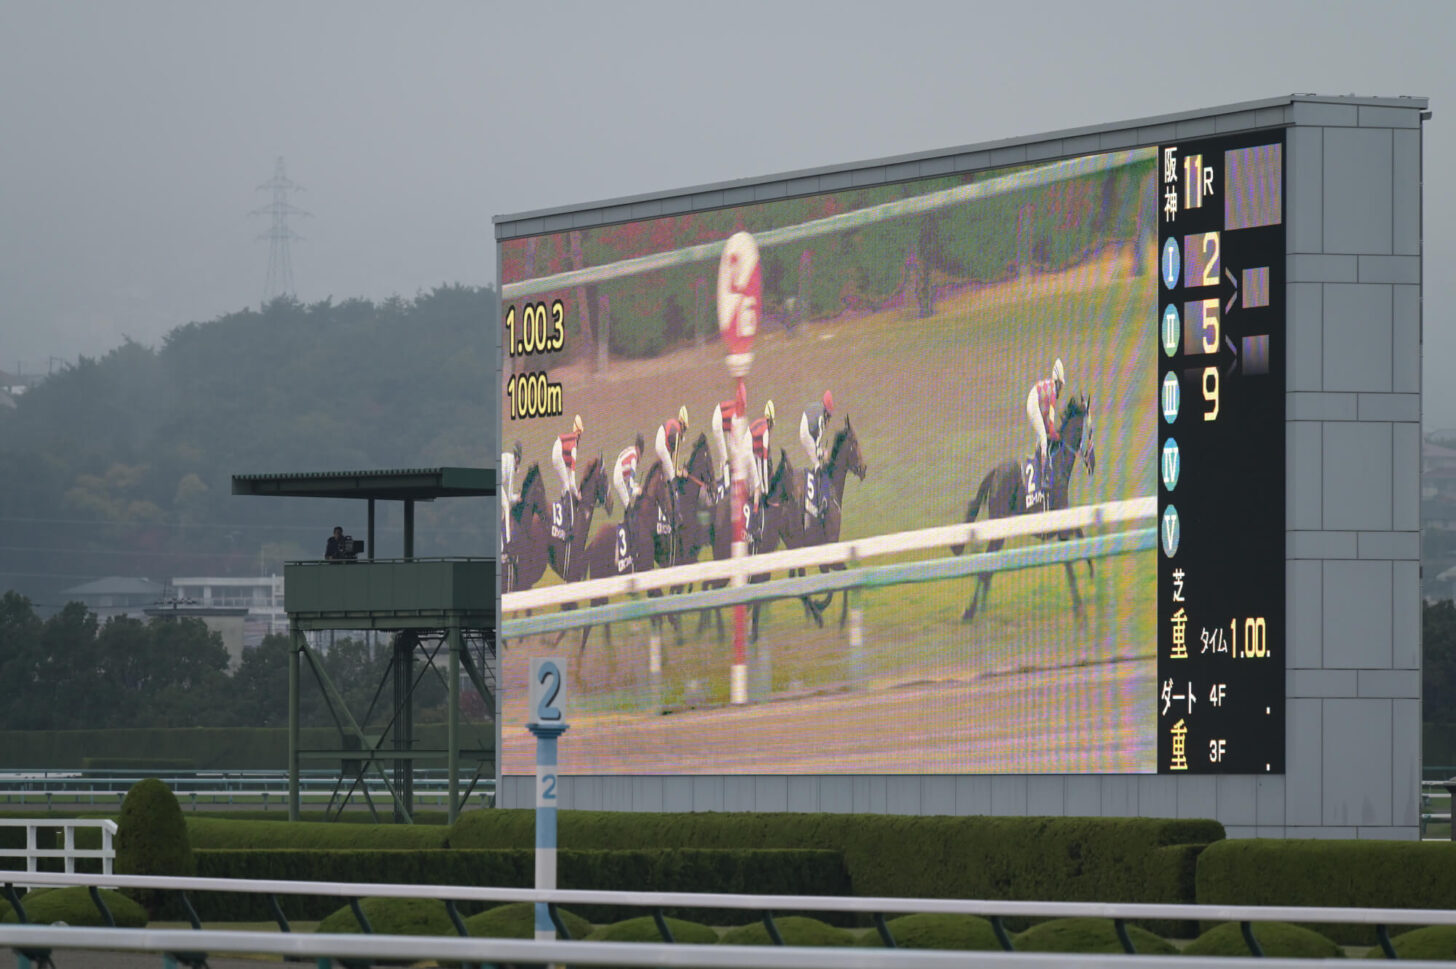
<point x="409" y="530"/>
<point x="295" y="646"/>
<point x="452" y="730"/>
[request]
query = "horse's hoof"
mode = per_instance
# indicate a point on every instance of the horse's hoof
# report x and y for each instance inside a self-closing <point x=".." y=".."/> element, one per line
<point x="967" y="616"/>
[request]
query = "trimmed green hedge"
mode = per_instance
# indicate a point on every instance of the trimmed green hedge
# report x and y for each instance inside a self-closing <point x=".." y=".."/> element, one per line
<point x="155" y="765"/>
<point x="1432" y="942"/>
<point x="518" y="921"/>
<point x="1365" y="874"/>
<point x="937" y="931"/>
<point x="215" y="833"/>
<point x="1062" y="859"/>
<point x="643" y="928"/>
<point x="391" y="916"/>
<point x="151" y="839"/>
<point x="682" y="870"/>
<point x="1088" y="935"/>
<point x="1276" y="940"/>
<point x="73" y="905"/>
<point x="795" y="930"/>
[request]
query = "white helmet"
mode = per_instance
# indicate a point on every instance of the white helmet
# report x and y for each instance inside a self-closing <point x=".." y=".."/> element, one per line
<point x="1059" y="373"/>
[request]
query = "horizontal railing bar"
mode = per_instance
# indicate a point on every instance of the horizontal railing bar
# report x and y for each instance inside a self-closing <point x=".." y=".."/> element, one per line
<point x="413" y="947"/>
<point x="813" y="556"/>
<point x="934" y="570"/>
<point x="805" y="903"/>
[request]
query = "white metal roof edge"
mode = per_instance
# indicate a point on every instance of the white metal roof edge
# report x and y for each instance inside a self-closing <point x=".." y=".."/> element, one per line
<point x="741" y="191"/>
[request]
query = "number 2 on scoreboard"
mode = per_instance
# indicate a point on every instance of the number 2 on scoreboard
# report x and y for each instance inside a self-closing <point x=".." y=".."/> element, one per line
<point x="1211" y="265"/>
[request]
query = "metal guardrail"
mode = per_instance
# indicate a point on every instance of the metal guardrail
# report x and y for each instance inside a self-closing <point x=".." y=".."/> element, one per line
<point x="68" y="852"/>
<point x="326" y="947"/>
<point x="193" y="788"/>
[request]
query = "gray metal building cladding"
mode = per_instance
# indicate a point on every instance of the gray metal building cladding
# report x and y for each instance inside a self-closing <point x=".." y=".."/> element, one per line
<point x="1352" y="447"/>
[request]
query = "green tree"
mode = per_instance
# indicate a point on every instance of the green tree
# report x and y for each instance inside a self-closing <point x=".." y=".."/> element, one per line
<point x="1438" y="630"/>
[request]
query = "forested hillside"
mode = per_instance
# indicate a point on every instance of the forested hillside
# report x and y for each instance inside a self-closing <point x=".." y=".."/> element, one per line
<point x="121" y="465"/>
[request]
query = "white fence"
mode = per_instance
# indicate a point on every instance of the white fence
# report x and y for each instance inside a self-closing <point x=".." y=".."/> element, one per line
<point x="839" y="553"/>
<point x="218" y="789"/>
<point x="68" y="852"/>
<point x="1019" y="181"/>
<point x="379" y="947"/>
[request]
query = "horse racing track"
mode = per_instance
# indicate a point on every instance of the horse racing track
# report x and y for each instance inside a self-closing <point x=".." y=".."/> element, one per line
<point x="1039" y="720"/>
<point x="1033" y="682"/>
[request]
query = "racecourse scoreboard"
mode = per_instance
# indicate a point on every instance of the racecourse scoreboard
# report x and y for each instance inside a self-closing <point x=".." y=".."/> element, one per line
<point x="1101" y="336"/>
<point x="1221" y="455"/>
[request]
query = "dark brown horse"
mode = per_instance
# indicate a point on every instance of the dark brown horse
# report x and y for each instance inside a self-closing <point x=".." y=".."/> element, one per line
<point x="566" y="539"/>
<point x="523" y="555"/>
<point x="1005" y="491"/>
<point x="812" y="528"/>
<point x="767" y="524"/>
<point x="631" y="546"/>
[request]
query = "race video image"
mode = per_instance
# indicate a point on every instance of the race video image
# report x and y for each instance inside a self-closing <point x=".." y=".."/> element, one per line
<point x="969" y="348"/>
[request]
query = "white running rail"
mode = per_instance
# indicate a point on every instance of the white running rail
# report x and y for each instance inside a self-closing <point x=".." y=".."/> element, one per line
<point x="375" y="947"/>
<point x="32" y="852"/>
<point x="854" y="550"/>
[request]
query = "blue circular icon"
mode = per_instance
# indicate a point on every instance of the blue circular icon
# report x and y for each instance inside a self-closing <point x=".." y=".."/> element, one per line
<point x="1170" y="329"/>
<point x="1171" y="531"/>
<point x="1170" y="464"/>
<point x="1169" y="264"/>
<point x="1171" y="396"/>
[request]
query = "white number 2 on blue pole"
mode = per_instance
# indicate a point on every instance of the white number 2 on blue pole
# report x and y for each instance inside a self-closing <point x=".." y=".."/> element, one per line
<point x="548" y="690"/>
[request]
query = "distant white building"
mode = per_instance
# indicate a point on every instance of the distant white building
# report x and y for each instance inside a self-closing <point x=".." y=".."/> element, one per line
<point x="116" y="595"/>
<point x="261" y="596"/>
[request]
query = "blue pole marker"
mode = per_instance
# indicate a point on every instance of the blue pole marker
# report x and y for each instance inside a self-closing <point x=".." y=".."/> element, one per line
<point x="548" y="722"/>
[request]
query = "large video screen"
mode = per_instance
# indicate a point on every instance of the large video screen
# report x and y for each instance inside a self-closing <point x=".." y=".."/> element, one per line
<point x="1010" y="348"/>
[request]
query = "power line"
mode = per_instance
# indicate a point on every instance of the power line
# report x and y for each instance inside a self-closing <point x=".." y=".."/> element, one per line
<point x="280" y="237"/>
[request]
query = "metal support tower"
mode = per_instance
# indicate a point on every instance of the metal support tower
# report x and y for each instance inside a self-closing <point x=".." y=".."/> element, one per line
<point x="279" y="235"/>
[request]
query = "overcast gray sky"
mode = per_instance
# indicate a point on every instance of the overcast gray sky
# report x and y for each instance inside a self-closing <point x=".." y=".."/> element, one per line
<point x="133" y="135"/>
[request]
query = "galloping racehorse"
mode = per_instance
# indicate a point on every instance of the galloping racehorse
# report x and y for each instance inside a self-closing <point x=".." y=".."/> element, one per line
<point x="767" y="526"/>
<point x="1006" y="490"/>
<point x="567" y="539"/>
<point x="523" y="557"/>
<point x="629" y="547"/>
<point x="811" y="528"/>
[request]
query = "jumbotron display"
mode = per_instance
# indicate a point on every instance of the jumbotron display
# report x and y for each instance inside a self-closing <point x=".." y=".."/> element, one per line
<point x="1082" y="358"/>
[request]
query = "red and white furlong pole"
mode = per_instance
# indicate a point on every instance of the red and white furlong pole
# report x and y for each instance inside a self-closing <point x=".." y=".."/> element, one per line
<point x="740" y="297"/>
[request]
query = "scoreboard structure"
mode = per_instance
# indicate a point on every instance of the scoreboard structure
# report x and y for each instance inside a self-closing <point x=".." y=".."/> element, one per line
<point x="1236" y="292"/>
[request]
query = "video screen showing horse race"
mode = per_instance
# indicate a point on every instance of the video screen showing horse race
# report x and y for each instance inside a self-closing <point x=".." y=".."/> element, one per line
<point x="845" y="380"/>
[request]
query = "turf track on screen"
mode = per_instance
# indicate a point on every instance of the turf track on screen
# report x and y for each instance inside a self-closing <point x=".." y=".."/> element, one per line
<point x="936" y="404"/>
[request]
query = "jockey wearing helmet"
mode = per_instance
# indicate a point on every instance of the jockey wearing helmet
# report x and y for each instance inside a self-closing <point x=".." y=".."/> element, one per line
<point x="720" y="431"/>
<point x="758" y="433"/>
<point x="669" y="435"/>
<point x="811" y="428"/>
<point x="509" y="462"/>
<point x="563" y="458"/>
<point x="624" y="474"/>
<point x="1041" y="410"/>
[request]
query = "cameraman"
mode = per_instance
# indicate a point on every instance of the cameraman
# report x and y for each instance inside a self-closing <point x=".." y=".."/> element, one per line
<point x="337" y="550"/>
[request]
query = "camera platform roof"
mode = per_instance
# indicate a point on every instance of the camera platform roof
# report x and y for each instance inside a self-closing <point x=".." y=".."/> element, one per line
<point x="407" y="484"/>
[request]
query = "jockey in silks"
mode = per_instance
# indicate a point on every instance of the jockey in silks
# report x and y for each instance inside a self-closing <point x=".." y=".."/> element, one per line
<point x="563" y="459"/>
<point x="720" y="432"/>
<point x="758" y="433"/>
<point x="811" y="436"/>
<point x="1041" y="410"/>
<point x="624" y="475"/>
<point x="669" y="435"/>
<point x="509" y="462"/>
